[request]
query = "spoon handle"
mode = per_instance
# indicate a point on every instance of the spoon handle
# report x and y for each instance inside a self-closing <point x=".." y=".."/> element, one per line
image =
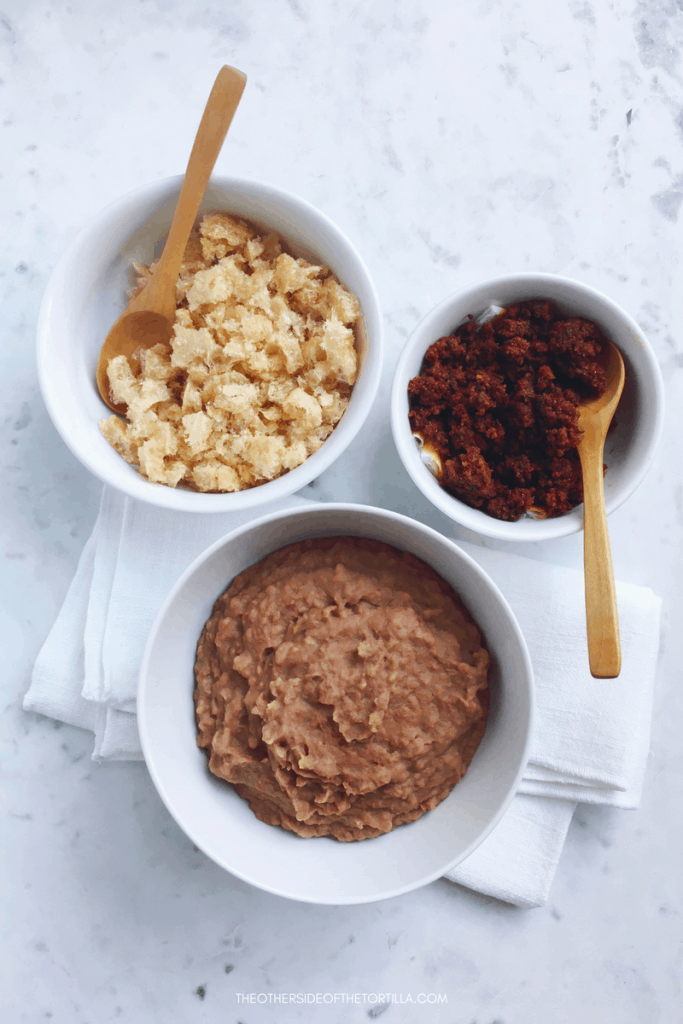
<point x="218" y="114"/>
<point x="602" y="622"/>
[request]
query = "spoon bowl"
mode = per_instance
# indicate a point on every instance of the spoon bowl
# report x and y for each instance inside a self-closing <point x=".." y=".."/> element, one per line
<point x="603" y="407"/>
<point x="132" y="332"/>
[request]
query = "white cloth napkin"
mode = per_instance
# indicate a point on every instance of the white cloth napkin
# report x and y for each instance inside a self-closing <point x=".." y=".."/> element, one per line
<point x="591" y="739"/>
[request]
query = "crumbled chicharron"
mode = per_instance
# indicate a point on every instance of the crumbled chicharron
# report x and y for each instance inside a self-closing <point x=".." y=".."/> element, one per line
<point x="258" y="372"/>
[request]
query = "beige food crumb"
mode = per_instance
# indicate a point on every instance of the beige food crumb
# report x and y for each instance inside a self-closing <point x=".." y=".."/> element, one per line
<point x="257" y="375"/>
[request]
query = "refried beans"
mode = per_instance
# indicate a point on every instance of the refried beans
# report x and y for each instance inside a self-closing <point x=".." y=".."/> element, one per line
<point x="341" y="687"/>
<point x="498" y="402"/>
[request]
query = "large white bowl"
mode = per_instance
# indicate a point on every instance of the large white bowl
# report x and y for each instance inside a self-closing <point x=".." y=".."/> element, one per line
<point x="322" y="870"/>
<point x="639" y="417"/>
<point x="88" y="290"/>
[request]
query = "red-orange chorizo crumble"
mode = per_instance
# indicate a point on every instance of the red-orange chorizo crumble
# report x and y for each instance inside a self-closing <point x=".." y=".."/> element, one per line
<point x="498" y="402"/>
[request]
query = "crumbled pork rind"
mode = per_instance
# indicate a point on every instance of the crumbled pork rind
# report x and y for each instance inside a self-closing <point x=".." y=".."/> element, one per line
<point x="258" y="372"/>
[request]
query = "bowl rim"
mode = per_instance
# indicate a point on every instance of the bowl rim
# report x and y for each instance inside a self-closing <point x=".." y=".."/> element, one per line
<point x="473" y="519"/>
<point x="299" y="512"/>
<point x="180" y="499"/>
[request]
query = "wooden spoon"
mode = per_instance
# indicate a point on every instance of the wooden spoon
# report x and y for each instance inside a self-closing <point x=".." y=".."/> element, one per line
<point x="149" y="317"/>
<point x="595" y="416"/>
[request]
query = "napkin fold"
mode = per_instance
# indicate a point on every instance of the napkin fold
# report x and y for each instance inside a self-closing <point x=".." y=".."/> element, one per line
<point x="86" y="673"/>
<point x="591" y="737"/>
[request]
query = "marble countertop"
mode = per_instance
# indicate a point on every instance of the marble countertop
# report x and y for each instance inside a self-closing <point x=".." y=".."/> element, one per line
<point x="451" y="142"/>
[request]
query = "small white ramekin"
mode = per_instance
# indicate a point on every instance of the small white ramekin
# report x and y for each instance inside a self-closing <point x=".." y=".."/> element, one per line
<point x="88" y="290"/>
<point x="638" y="420"/>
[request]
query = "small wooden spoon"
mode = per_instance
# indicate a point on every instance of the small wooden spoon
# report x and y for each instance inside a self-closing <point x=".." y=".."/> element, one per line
<point x="149" y="317"/>
<point x="595" y="416"/>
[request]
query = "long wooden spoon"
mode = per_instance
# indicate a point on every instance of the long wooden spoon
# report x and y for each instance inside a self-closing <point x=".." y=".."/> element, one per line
<point x="149" y="317"/>
<point x="602" y="623"/>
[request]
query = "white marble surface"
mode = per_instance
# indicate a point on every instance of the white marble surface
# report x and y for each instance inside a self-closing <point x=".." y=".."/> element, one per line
<point x="451" y="142"/>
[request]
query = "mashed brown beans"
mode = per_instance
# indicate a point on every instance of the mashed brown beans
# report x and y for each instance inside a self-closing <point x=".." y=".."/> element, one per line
<point x="341" y="686"/>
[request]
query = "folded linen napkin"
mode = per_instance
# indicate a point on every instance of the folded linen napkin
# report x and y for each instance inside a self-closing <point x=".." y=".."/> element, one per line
<point x="591" y="737"/>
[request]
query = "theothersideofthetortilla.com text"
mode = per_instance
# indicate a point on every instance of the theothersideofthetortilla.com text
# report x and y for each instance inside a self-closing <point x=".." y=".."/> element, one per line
<point x="330" y="998"/>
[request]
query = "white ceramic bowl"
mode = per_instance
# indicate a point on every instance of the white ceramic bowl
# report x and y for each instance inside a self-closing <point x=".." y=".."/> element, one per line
<point x="88" y="290"/>
<point x="322" y="870"/>
<point x="639" y="417"/>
